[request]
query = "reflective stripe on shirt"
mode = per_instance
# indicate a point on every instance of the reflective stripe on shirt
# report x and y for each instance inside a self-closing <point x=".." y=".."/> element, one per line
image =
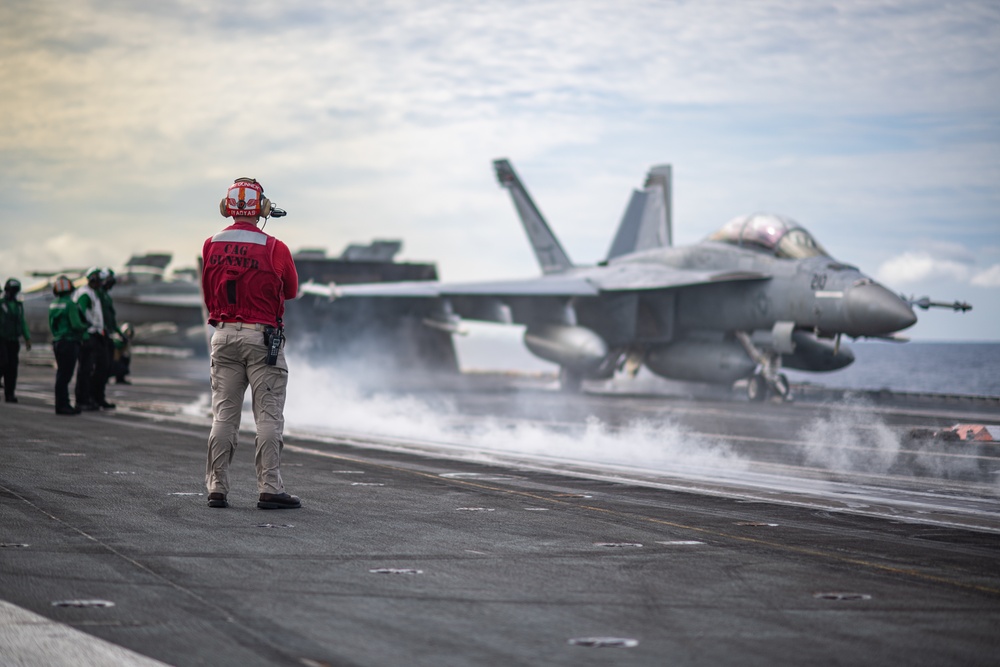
<point x="240" y="236"/>
<point x="94" y="315"/>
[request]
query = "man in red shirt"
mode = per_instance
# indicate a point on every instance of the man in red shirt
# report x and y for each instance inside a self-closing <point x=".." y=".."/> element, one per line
<point x="246" y="277"/>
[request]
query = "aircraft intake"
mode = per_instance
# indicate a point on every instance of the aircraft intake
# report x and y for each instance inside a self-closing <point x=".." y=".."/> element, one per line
<point x="719" y="362"/>
<point x="569" y="346"/>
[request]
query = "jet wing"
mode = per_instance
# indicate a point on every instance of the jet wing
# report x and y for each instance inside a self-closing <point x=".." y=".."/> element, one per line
<point x="642" y="277"/>
<point x="545" y="286"/>
<point x="623" y="278"/>
<point x="551" y="285"/>
<point x="172" y="300"/>
<point x="427" y="289"/>
<point x="507" y="300"/>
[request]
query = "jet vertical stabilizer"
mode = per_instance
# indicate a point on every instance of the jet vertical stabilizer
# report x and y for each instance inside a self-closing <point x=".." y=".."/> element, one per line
<point x="549" y="252"/>
<point x="646" y="222"/>
<point x="661" y="176"/>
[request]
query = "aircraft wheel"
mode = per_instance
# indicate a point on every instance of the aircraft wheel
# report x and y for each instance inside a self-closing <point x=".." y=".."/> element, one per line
<point x="570" y="381"/>
<point x="782" y="387"/>
<point x="756" y="388"/>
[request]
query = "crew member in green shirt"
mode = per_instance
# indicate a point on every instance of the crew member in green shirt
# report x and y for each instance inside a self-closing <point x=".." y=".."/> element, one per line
<point x="92" y="345"/>
<point x="68" y="329"/>
<point x="12" y="327"/>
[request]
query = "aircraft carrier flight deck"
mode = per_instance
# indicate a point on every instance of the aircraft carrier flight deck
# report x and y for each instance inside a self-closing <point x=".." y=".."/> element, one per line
<point x="500" y="522"/>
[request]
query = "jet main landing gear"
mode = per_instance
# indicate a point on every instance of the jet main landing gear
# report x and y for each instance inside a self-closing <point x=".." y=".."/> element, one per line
<point x="570" y="381"/>
<point x="768" y="379"/>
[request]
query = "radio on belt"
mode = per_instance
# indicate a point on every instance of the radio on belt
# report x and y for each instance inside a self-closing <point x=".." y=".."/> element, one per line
<point x="273" y="338"/>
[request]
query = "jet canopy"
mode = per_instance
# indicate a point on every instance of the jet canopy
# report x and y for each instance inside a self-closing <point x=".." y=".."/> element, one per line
<point x="771" y="233"/>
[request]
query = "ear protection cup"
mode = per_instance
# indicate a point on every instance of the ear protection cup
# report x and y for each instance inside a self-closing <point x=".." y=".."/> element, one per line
<point x="265" y="206"/>
<point x="223" y="210"/>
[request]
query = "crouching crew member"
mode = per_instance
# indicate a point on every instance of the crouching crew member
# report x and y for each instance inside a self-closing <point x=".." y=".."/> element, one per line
<point x="68" y="328"/>
<point x="92" y="346"/>
<point x="247" y="276"/>
<point x="12" y="327"/>
<point x="121" y="363"/>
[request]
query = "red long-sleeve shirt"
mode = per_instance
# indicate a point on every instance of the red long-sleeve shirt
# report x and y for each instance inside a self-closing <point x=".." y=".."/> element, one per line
<point x="247" y="275"/>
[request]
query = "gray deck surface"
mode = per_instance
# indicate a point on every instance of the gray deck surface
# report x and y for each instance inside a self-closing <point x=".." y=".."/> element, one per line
<point x="487" y="564"/>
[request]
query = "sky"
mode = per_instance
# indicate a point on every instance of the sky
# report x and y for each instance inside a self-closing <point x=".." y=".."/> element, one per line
<point x="873" y="123"/>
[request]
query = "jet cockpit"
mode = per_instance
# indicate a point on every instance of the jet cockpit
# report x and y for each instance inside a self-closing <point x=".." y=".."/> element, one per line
<point x="774" y="234"/>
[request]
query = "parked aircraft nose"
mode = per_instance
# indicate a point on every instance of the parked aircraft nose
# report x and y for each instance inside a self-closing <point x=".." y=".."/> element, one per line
<point x="873" y="310"/>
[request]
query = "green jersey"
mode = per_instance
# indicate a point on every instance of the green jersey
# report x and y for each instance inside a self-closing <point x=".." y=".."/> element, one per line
<point x="65" y="319"/>
<point x="12" y="322"/>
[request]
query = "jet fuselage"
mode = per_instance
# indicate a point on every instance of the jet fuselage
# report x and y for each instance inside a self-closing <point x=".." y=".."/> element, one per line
<point x="815" y="293"/>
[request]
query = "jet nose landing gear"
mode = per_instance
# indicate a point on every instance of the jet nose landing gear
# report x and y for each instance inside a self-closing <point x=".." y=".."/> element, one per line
<point x="759" y="387"/>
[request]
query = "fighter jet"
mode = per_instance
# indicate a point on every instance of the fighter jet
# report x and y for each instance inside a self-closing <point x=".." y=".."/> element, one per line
<point x="758" y="295"/>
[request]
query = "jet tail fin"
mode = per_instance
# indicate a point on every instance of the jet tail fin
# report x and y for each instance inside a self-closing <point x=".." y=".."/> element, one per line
<point x="647" y="221"/>
<point x="549" y="252"/>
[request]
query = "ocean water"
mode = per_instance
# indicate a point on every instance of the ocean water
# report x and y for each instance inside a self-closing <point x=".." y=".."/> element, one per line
<point x="939" y="368"/>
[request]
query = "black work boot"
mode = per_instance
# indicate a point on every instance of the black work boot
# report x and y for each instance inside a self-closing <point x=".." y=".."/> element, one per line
<point x="278" y="501"/>
<point x="216" y="499"/>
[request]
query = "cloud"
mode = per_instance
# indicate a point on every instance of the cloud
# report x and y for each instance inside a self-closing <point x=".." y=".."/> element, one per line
<point x="867" y="120"/>
<point x="919" y="266"/>
<point x="134" y="82"/>
<point x="946" y="250"/>
<point x="987" y="278"/>
<point x="65" y="251"/>
<point x="915" y="267"/>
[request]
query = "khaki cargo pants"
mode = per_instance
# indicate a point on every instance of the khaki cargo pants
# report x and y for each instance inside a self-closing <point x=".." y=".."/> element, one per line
<point x="238" y="355"/>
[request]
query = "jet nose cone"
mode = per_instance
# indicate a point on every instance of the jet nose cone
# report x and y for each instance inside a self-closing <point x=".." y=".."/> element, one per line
<point x="875" y="311"/>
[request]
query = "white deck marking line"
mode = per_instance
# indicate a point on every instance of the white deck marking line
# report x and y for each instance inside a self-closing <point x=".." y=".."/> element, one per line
<point x="30" y="639"/>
